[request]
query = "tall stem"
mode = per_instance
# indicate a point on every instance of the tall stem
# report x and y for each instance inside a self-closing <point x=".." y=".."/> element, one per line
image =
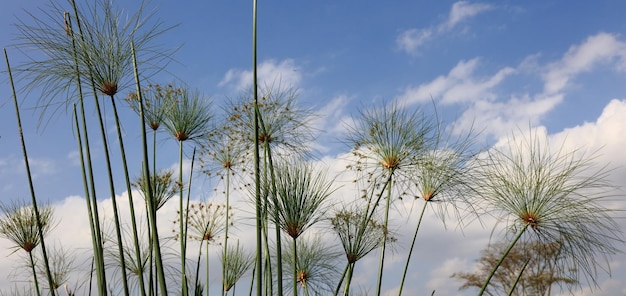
<point x="408" y="259"/>
<point x="87" y="168"/>
<point x="28" y="174"/>
<point x="343" y="276"/>
<point x="116" y="216"/>
<point x="32" y="266"/>
<point x="346" y="290"/>
<point x="519" y="276"/>
<point x="295" y="268"/>
<point x="130" y="199"/>
<point x="226" y="226"/>
<point x="257" y="175"/>
<point x="506" y="253"/>
<point x="182" y="222"/>
<point x="146" y="174"/>
<point x="385" y="234"/>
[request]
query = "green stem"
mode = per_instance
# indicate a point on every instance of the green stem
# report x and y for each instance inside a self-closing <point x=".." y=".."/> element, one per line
<point x="385" y="234"/>
<point x="506" y="253"/>
<point x="181" y="216"/>
<point x="270" y="163"/>
<point x="131" y="204"/>
<point x="343" y="275"/>
<point x="226" y="226"/>
<point x="92" y="229"/>
<point x="295" y="268"/>
<point x="116" y="216"/>
<point x="28" y="174"/>
<point x="519" y="276"/>
<point x="146" y="175"/>
<point x="207" y="268"/>
<point x="32" y="265"/>
<point x="408" y="259"/>
<point x="257" y="177"/>
<point x="90" y="197"/>
<point x="346" y="290"/>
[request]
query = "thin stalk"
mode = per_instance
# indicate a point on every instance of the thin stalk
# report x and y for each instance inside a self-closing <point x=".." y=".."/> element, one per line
<point x="207" y="268"/>
<point x="92" y="228"/>
<point x="110" y="179"/>
<point x="28" y="174"/>
<point x="87" y="198"/>
<point x="257" y="177"/>
<point x="343" y="276"/>
<point x="116" y="216"/>
<point x="150" y="193"/>
<point x="346" y="290"/>
<point x="270" y="163"/>
<point x="226" y="226"/>
<point x="295" y="268"/>
<point x="32" y="265"/>
<point x="182" y="235"/>
<point x="130" y="198"/>
<point x="408" y="259"/>
<point x="385" y="234"/>
<point x="506" y="253"/>
<point x="198" y="265"/>
<point x="519" y="276"/>
<point x="90" y="196"/>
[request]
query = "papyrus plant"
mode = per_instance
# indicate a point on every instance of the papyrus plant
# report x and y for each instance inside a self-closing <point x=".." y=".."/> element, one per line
<point x="387" y="142"/>
<point x="554" y="196"/>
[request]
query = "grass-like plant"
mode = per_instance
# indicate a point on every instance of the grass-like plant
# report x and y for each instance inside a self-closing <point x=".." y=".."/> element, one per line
<point x="235" y="262"/>
<point x="187" y="119"/>
<point x="299" y="198"/>
<point x="38" y="219"/>
<point x="62" y="263"/>
<point x="555" y="196"/>
<point x="206" y="223"/>
<point x="357" y="239"/>
<point x="387" y="142"/>
<point x="21" y="226"/>
<point x="316" y="272"/>
<point x="444" y="178"/>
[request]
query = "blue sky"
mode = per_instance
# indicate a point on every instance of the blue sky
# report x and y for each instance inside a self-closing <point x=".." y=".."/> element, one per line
<point x="558" y="66"/>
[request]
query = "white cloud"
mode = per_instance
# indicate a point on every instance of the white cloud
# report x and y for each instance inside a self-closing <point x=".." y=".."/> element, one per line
<point x="600" y="48"/>
<point x="463" y="10"/>
<point x="460" y="86"/>
<point x="410" y="40"/>
<point x="439" y="251"/>
<point x="269" y="72"/>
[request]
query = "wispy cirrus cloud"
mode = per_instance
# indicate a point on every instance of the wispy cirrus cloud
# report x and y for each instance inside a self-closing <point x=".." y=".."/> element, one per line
<point x="410" y="40"/>
<point x="597" y="49"/>
<point x="496" y="110"/>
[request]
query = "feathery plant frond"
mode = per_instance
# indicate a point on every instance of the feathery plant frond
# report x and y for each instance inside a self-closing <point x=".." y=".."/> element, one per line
<point x="157" y="100"/>
<point x="301" y="194"/>
<point x="287" y="126"/>
<point x="236" y="262"/>
<point x="103" y="50"/>
<point x="389" y="140"/>
<point x="19" y="225"/>
<point x="316" y="271"/>
<point x="163" y="184"/>
<point x="444" y="176"/>
<point x="387" y="143"/>
<point x="206" y="221"/>
<point x="61" y="265"/>
<point x="357" y="242"/>
<point x="357" y="238"/>
<point x="188" y="117"/>
<point x="558" y="195"/>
